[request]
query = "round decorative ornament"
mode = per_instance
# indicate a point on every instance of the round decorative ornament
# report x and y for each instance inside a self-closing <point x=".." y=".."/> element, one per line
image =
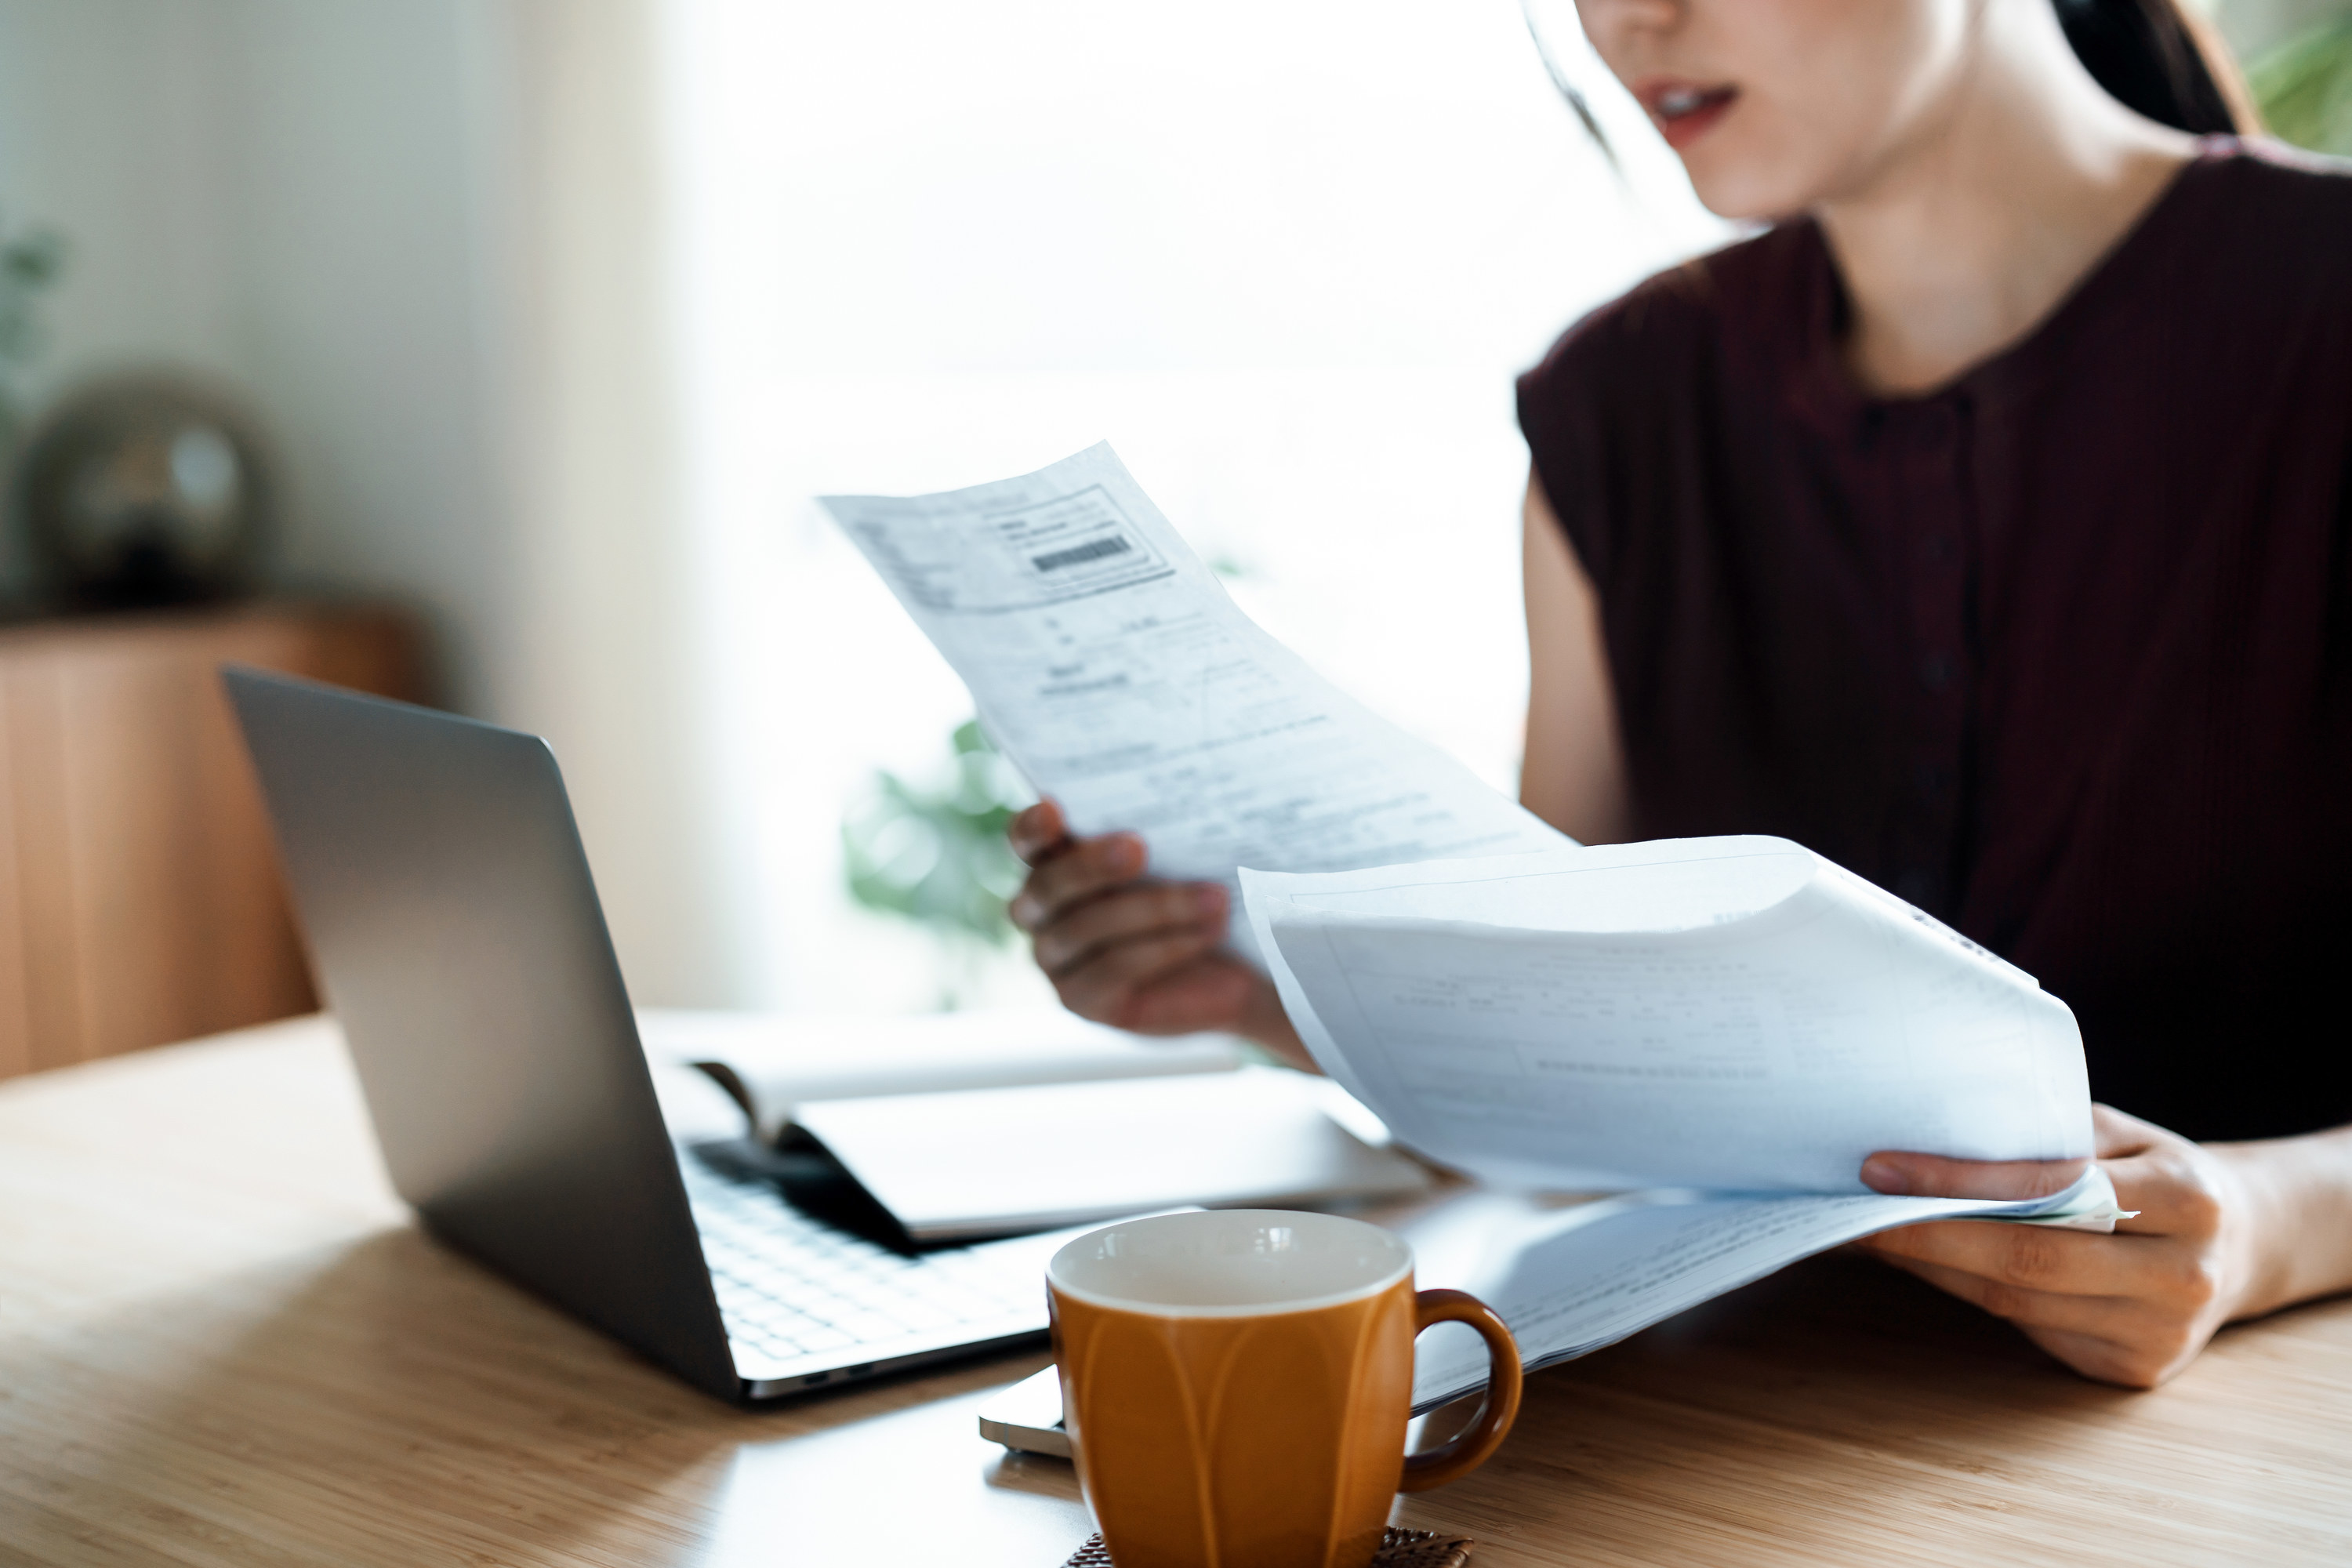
<point x="144" y="493"/>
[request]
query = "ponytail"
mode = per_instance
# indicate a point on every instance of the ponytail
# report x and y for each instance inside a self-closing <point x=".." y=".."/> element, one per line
<point x="2163" y="60"/>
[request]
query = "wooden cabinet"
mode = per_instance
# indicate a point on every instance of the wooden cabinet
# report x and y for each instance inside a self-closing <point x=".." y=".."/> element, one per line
<point x="139" y="899"/>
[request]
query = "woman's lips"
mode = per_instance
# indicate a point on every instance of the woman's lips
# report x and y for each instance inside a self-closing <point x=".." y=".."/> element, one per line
<point x="1683" y="111"/>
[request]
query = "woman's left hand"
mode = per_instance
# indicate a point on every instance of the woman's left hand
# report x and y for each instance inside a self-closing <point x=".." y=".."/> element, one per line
<point x="2133" y="1308"/>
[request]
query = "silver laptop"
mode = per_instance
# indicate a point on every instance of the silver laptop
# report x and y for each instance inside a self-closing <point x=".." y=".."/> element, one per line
<point x="456" y="934"/>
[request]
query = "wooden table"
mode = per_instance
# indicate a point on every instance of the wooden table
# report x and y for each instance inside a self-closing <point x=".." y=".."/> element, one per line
<point x="222" y="1342"/>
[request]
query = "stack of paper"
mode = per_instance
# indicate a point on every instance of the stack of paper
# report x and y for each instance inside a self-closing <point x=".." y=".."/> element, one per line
<point x="1734" y="1023"/>
<point x="1731" y="1025"/>
<point x="1726" y="1013"/>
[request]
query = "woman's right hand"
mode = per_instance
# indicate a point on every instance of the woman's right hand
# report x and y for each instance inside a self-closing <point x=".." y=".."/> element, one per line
<point x="1125" y="950"/>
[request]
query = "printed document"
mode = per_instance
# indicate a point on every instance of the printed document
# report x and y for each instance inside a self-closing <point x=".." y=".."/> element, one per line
<point x="1735" y="1014"/>
<point x="1720" y="1029"/>
<point x="1570" y="1281"/>
<point x="1731" y="1024"/>
<point x="1113" y="669"/>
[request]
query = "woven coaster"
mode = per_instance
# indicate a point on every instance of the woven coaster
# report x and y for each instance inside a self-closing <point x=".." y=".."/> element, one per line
<point x="1399" y="1549"/>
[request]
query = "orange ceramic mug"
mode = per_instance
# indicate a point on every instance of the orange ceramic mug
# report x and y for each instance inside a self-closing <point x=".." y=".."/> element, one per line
<point x="1237" y="1384"/>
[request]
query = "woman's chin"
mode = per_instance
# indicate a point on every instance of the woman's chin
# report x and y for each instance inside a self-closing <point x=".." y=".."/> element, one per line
<point x="1742" y="192"/>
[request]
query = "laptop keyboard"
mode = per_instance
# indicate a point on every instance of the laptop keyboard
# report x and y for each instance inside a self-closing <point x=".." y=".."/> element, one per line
<point x="794" y="1287"/>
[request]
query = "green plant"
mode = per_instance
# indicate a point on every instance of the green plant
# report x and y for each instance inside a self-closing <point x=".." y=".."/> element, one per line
<point x="30" y="263"/>
<point x="935" y="853"/>
<point x="2304" y="88"/>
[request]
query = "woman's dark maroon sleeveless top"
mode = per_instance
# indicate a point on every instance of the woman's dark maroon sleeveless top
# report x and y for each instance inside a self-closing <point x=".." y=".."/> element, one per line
<point x="2062" y="653"/>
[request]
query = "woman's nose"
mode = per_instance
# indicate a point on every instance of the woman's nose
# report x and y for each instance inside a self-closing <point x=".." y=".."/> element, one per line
<point x="1604" y="19"/>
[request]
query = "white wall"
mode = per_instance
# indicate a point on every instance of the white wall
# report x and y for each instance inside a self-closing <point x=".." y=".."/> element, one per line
<point x="558" y="310"/>
<point x="80" y="87"/>
<point x="417" y="237"/>
<point x="1287" y="257"/>
<point x="280" y="196"/>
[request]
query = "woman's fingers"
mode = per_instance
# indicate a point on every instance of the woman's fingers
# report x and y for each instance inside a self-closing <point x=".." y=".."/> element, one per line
<point x="1082" y="869"/>
<point x="1121" y="950"/>
<point x="2133" y="1308"/>
<point x="1038" y="833"/>
<point x="2018" y="1261"/>
<point x="2169" y="1191"/>
<point x="1096" y="925"/>
<point x="2118" y="1134"/>
<point x="2118" y="1137"/>
<point x="1212" y="992"/>
<point x="1132" y="954"/>
<point x="2024" y="1257"/>
<point x="2132" y="1340"/>
<point x="1933" y="1177"/>
<point x="2106" y="1316"/>
<point x="2116" y="1339"/>
<point x="1103" y="989"/>
<point x="2174" y="1187"/>
<point x="2132" y="1364"/>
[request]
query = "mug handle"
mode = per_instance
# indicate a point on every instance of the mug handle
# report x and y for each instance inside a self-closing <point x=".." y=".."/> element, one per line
<point x="1471" y="1449"/>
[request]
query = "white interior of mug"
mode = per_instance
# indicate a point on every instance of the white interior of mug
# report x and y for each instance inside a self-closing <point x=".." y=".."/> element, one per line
<point x="1229" y="1263"/>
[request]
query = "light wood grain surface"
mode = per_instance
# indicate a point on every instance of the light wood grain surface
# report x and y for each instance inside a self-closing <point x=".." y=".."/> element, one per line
<point x="221" y="1342"/>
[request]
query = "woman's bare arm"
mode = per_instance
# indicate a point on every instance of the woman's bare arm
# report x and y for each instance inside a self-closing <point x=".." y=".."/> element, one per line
<point x="1574" y="775"/>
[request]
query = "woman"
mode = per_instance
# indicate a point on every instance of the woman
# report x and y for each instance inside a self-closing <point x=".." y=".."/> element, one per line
<point x="1986" y="525"/>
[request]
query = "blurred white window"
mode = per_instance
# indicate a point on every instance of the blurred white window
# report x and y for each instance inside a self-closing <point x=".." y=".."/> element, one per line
<point x="1286" y="257"/>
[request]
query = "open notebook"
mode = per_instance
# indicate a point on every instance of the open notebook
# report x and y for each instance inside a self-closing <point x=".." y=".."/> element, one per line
<point x="955" y="1127"/>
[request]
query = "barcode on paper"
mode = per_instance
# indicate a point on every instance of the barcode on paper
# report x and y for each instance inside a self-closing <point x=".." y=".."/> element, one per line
<point x="1078" y="554"/>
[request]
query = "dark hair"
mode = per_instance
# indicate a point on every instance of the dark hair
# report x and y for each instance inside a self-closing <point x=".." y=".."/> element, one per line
<point x="2154" y="57"/>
